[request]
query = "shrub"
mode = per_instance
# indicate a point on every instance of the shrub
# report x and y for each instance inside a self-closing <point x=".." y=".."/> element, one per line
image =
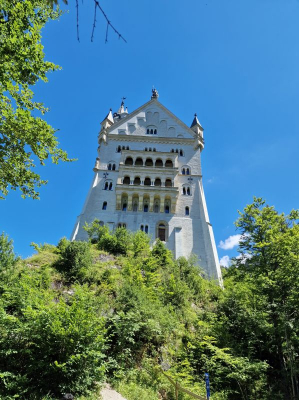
<point x="7" y="256"/>
<point x="76" y="258"/>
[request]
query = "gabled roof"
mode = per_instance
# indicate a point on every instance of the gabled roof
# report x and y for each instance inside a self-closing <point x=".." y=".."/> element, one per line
<point x="157" y="103"/>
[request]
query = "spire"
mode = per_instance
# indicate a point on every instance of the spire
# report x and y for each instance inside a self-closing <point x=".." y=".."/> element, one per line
<point x="155" y="93"/>
<point x="108" y="118"/>
<point x="195" y="122"/>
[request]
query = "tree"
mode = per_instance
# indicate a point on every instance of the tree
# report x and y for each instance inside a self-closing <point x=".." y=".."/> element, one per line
<point x="25" y="138"/>
<point x="264" y="319"/>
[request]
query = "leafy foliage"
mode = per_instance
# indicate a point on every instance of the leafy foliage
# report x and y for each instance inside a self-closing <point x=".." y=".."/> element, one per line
<point x="25" y="138"/>
<point x="74" y="315"/>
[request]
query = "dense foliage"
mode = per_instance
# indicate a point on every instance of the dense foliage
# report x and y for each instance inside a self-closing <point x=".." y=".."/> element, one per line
<point x="25" y="137"/>
<point x="116" y="309"/>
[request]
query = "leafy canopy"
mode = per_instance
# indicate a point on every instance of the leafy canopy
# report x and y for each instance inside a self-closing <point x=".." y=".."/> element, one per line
<point x="25" y="138"/>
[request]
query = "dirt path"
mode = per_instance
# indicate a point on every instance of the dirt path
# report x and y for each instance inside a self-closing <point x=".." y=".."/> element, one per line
<point x="108" y="393"/>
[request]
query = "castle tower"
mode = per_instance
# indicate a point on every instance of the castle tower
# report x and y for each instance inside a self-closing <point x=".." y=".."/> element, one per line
<point x="148" y="176"/>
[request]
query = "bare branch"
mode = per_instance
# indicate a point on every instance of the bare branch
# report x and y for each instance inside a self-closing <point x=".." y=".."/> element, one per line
<point x="120" y="36"/>
<point x="77" y="9"/>
<point x="94" y="21"/>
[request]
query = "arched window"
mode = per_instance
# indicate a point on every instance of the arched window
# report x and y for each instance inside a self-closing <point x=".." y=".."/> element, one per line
<point x="184" y="191"/>
<point x="166" y="209"/>
<point x="142" y="228"/>
<point x="147" y="181"/>
<point x="147" y="131"/>
<point x="187" y="171"/>
<point x="145" y="149"/>
<point x="167" y="206"/>
<point x="181" y="152"/>
<point x="145" y="204"/>
<point x="177" y="150"/>
<point x="137" y="180"/>
<point x="155" y="131"/>
<point x="188" y="191"/>
<point x="113" y="167"/>
<point x="169" y="164"/>
<point x="124" y="202"/>
<point x="110" y="186"/>
<point x="146" y="229"/>
<point x="183" y="171"/>
<point x="129" y="161"/>
<point x="159" y="163"/>
<point x="149" y="162"/>
<point x="120" y="225"/>
<point x="106" y="186"/>
<point x="109" y="167"/>
<point x="124" y="147"/>
<point x="157" y="182"/>
<point x="127" y="148"/>
<point x="150" y="149"/>
<point x="139" y="161"/>
<point x="126" y="180"/>
<point x="187" y="211"/>
<point x="118" y="149"/>
<point x="152" y="131"/>
<point x="168" y="183"/>
<point x="172" y="150"/>
<point x="161" y="232"/>
<point x="154" y="149"/>
<point x="104" y="207"/>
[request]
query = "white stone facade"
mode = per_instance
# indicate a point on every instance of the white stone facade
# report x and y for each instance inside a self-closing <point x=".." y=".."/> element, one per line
<point x="148" y="176"/>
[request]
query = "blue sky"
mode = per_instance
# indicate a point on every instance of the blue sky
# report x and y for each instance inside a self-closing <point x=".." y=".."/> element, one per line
<point x="234" y="62"/>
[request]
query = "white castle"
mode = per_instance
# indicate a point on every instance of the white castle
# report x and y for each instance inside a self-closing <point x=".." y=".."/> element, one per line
<point x="148" y="176"/>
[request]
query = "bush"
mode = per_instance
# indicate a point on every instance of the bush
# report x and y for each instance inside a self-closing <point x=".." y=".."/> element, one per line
<point x="76" y="258"/>
<point x="54" y="347"/>
<point x="7" y="256"/>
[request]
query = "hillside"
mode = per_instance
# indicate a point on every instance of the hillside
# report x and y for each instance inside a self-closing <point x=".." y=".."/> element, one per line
<point x="78" y="314"/>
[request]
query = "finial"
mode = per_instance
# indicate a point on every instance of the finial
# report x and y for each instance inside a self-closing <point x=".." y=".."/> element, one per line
<point x="195" y="115"/>
<point x="155" y="93"/>
<point x="123" y="101"/>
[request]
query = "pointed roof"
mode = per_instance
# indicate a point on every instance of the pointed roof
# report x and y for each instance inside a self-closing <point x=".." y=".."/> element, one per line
<point x="109" y="117"/>
<point x="195" y="122"/>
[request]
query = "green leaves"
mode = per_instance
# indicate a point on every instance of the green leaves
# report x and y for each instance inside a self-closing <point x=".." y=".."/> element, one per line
<point x="25" y="138"/>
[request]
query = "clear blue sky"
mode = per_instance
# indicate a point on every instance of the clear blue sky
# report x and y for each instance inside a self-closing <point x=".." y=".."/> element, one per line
<point x="235" y="63"/>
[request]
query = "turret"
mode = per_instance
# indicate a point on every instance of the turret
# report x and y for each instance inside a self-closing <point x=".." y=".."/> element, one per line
<point x="198" y="129"/>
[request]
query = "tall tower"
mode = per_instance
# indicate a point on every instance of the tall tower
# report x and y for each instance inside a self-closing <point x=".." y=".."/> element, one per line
<point x="148" y="176"/>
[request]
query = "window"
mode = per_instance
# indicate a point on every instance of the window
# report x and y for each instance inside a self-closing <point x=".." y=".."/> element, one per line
<point x="157" y="182"/>
<point x="129" y="161"/>
<point x="154" y="149"/>
<point x="124" y="207"/>
<point x="127" y="148"/>
<point x="177" y="150"/>
<point x="149" y="162"/>
<point x="161" y="234"/>
<point x="188" y="191"/>
<point x="181" y="152"/>
<point x="137" y="180"/>
<point x="145" y="149"/>
<point x="167" y="206"/>
<point x="106" y="186"/>
<point x="126" y="180"/>
<point x="184" y="191"/>
<point x="145" y="208"/>
<point x="142" y="228"/>
<point x="187" y="211"/>
<point x="121" y="225"/>
<point x="109" y="167"/>
<point x="113" y="167"/>
<point x="172" y="150"/>
<point x="124" y="147"/>
<point x="155" y="131"/>
<point x="118" y="149"/>
<point x="167" y="209"/>
<point x="104" y="207"/>
<point x="168" y="183"/>
<point x="183" y="171"/>
<point x="150" y="149"/>
<point x="147" y="182"/>
<point x="138" y="161"/>
<point x="146" y="229"/>
<point x="110" y="186"/>
<point x="187" y="171"/>
<point x="159" y="163"/>
<point x="157" y="206"/>
<point x="168" y="164"/>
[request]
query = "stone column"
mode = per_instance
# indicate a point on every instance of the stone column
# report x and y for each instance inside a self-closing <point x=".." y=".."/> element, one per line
<point x="140" y="202"/>
<point x="151" y="204"/>
<point x="118" y="201"/>
<point x="162" y="205"/>
<point x="130" y="202"/>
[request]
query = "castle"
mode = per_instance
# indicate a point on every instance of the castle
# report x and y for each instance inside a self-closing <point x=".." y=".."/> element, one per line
<point x="148" y="176"/>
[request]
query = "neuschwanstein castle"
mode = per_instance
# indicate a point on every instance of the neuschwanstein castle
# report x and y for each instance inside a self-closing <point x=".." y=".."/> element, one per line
<point x="148" y="176"/>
